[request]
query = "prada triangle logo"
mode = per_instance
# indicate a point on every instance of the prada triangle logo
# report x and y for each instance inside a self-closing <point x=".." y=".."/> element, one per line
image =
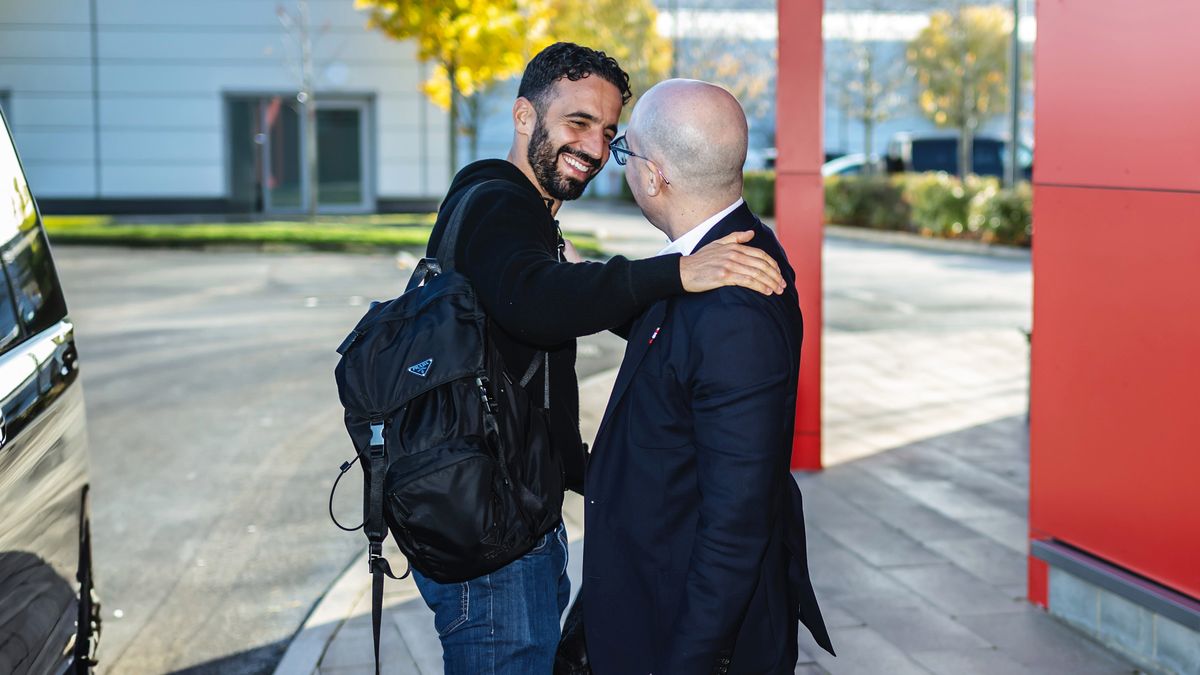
<point x="421" y="369"/>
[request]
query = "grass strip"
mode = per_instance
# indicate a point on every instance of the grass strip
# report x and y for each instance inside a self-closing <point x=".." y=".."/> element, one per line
<point x="350" y="233"/>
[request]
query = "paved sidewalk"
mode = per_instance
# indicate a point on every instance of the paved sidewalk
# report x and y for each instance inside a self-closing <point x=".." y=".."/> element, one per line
<point x="917" y="528"/>
<point x="917" y="554"/>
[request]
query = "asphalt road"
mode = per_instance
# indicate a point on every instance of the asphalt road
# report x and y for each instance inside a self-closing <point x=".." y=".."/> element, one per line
<point x="880" y="287"/>
<point x="216" y="432"/>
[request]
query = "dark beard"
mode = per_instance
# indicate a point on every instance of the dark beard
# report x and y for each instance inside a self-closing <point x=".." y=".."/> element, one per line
<point x="544" y="160"/>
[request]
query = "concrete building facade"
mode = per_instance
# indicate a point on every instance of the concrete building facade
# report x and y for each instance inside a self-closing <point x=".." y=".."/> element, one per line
<point x="143" y="105"/>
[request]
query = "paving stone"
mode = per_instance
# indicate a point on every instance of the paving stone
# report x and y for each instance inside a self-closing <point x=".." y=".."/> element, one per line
<point x="917" y="628"/>
<point x="955" y="501"/>
<point x="955" y="591"/>
<point x="356" y="650"/>
<point x="985" y="661"/>
<point x="998" y="565"/>
<point x="1074" y="600"/>
<point x="838" y="574"/>
<point x="1016" y="591"/>
<point x="880" y="544"/>
<point x="810" y="669"/>
<point x="415" y="623"/>
<point x="1043" y="644"/>
<point x="924" y="524"/>
<point x="1176" y="646"/>
<point x="836" y="616"/>
<point x="862" y="651"/>
<point x="1128" y="625"/>
<point x="1008" y="530"/>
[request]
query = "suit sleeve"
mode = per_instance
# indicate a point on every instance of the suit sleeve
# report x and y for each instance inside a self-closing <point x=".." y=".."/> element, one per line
<point x="741" y="369"/>
<point x="542" y="301"/>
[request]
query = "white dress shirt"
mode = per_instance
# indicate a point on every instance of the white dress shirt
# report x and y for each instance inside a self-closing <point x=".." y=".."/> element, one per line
<point x="687" y="242"/>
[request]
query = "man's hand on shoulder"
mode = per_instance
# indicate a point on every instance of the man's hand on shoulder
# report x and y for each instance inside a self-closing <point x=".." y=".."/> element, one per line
<point x="726" y="262"/>
<point x="569" y="252"/>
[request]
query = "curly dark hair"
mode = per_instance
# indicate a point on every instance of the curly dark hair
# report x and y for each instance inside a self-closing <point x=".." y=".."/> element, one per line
<point x="574" y="62"/>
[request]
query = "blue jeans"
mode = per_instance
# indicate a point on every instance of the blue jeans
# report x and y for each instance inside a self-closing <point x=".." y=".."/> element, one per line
<point x="506" y="622"/>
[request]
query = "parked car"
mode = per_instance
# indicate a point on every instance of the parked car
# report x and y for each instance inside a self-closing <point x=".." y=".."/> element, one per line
<point x="49" y="616"/>
<point x="854" y="164"/>
<point x="938" y="151"/>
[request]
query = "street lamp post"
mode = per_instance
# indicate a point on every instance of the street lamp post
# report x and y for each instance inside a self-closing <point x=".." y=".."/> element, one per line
<point x="1012" y="171"/>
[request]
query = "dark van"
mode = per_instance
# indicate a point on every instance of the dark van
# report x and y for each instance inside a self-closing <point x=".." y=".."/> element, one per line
<point x="938" y="151"/>
<point x="49" y="617"/>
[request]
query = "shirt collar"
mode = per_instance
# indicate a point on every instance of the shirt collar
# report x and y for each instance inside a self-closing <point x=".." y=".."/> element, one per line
<point x="687" y="242"/>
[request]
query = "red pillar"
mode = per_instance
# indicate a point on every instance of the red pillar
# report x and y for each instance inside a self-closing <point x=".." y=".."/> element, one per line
<point x="800" y="200"/>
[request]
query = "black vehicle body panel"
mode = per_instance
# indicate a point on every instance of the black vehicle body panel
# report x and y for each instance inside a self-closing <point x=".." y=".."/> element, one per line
<point x="43" y="443"/>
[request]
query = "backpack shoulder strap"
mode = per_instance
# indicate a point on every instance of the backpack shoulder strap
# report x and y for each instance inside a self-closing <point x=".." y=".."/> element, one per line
<point x="448" y="246"/>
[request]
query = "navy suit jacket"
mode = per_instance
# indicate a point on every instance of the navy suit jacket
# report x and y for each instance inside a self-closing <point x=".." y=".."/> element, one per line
<point x="694" y="554"/>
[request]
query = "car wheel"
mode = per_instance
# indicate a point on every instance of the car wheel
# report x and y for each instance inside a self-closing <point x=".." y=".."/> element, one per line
<point x="88" y="620"/>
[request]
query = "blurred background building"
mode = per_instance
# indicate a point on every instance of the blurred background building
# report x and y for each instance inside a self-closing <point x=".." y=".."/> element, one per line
<point x="197" y="107"/>
<point x="140" y="105"/>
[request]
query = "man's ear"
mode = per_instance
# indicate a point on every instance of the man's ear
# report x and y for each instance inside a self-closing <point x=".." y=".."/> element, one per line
<point x="653" y="180"/>
<point x="524" y="116"/>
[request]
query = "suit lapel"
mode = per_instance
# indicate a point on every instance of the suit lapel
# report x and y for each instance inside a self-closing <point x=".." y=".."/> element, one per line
<point x="739" y="219"/>
<point x="639" y="343"/>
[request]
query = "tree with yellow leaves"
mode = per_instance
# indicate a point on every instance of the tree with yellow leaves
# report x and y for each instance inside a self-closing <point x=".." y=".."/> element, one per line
<point x="624" y="29"/>
<point x="961" y="65"/>
<point x="472" y="44"/>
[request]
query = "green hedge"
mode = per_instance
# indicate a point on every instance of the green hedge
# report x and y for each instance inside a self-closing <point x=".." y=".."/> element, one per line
<point x="758" y="189"/>
<point x="930" y="204"/>
<point x="933" y="205"/>
<point x="871" y="201"/>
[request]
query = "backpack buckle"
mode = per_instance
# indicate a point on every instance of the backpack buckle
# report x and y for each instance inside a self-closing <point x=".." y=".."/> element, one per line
<point x="376" y="435"/>
<point x="489" y="403"/>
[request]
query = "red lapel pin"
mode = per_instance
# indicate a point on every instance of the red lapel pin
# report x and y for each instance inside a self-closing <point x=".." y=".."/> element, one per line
<point x="654" y="335"/>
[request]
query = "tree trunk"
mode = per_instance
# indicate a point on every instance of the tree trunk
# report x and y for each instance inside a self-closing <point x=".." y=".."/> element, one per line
<point x="472" y="105"/>
<point x="870" y="106"/>
<point x="451" y="72"/>
<point x="967" y="103"/>
<point x="868" y="144"/>
<point x="966" y="151"/>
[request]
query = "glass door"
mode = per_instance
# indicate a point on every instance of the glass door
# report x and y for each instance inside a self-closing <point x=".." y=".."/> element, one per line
<point x="267" y="171"/>
<point x="283" y="157"/>
<point x="342" y="167"/>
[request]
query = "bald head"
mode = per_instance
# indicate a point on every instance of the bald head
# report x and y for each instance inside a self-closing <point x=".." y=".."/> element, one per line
<point x="697" y="131"/>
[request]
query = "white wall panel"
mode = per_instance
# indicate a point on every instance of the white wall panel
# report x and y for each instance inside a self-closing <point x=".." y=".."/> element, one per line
<point x="30" y="111"/>
<point x="226" y="13"/>
<point x="162" y="181"/>
<point x="44" y="12"/>
<point x="19" y="76"/>
<point x="401" y="165"/>
<point x="68" y="145"/>
<point x="161" y="147"/>
<point x="164" y="77"/>
<point x="202" y="112"/>
<point x="159" y="78"/>
<point x="38" y="42"/>
<point x="269" y="43"/>
<point x="61" y="179"/>
<point x="401" y="113"/>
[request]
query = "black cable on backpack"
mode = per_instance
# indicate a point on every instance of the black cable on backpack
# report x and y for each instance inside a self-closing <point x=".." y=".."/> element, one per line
<point x="345" y="467"/>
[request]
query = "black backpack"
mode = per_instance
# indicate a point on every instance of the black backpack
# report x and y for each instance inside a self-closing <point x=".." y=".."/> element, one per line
<point x="456" y="459"/>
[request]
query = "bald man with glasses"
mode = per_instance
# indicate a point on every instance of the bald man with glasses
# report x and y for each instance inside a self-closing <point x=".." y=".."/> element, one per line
<point x="694" y="558"/>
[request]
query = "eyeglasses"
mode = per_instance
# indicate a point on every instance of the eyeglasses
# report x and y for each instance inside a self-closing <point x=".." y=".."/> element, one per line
<point x="621" y="152"/>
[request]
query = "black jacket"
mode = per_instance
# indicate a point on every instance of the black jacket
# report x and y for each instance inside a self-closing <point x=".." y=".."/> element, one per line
<point x="507" y="248"/>
<point x="695" y="559"/>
